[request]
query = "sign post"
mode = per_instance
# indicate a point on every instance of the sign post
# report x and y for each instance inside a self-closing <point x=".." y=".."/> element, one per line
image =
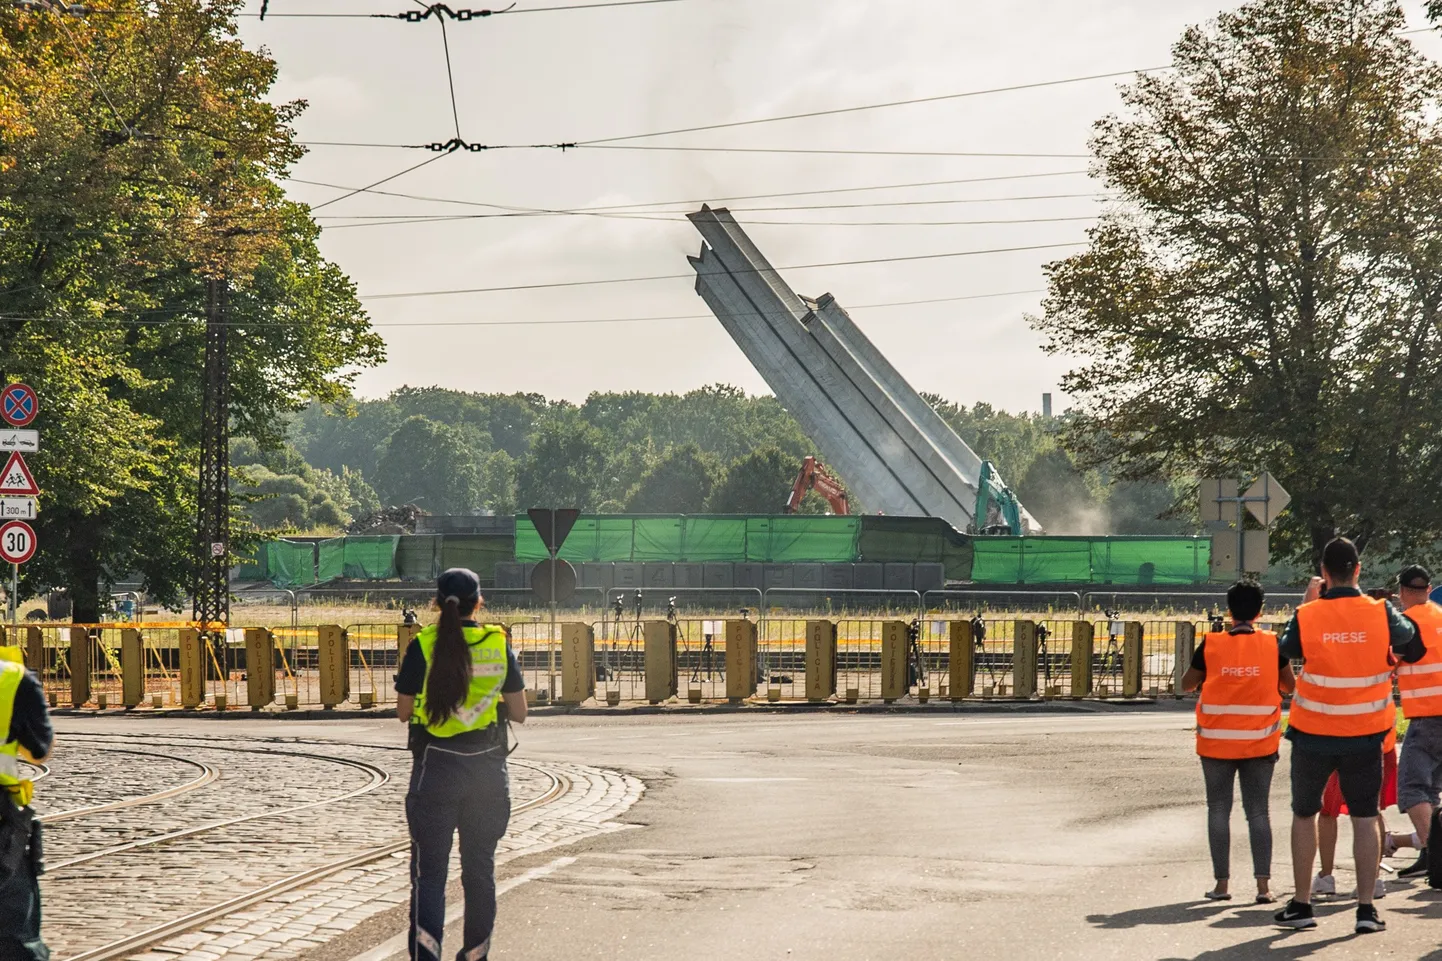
<point x="18" y="407"/>
<point x="553" y="524"/>
<point x="1222" y="501"/>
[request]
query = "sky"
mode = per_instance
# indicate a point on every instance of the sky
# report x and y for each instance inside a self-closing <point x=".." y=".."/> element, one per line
<point x="580" y="75"/>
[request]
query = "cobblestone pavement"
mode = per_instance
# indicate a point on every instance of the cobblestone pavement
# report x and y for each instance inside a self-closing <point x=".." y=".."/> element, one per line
<point x="306" y="805"/>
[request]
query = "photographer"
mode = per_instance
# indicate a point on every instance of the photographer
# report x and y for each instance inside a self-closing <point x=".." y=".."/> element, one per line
<point x="26" y="721"/>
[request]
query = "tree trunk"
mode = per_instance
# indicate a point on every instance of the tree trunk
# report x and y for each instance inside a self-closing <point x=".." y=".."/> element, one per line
<point x="83" y="556"/>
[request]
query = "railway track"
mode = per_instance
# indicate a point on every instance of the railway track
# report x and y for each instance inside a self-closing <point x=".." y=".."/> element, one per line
<point x="557" y="785"/>
<point x="124" y="947"/>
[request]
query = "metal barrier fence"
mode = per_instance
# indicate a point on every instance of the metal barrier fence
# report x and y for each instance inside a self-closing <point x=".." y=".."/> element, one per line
<point x="777" y="658"/>
<point x="978" y="599"/>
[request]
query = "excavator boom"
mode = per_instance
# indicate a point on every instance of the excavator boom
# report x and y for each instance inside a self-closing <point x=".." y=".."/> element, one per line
<point x="815" y="476"/>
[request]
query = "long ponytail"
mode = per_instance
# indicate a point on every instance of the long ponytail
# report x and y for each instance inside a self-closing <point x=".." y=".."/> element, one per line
<point x="450" y="671"/>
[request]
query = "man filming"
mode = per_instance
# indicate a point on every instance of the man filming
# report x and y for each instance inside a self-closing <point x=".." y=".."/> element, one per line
<point x="1341" y="713"/>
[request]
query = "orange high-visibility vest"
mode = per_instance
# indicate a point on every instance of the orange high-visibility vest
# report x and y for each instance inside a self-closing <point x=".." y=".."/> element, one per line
<point x="1345" y="689"/>
<point x="1239" y="713"/>
<point x="1421" y="683"/>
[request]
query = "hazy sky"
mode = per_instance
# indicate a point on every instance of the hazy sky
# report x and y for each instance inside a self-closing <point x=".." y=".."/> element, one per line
<point x="583" y="75"/>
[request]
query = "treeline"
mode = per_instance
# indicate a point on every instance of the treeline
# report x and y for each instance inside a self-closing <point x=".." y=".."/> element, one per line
<point x="712" y="450"/>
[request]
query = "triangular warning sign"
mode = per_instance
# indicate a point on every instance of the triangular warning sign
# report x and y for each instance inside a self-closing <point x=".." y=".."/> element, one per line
<point x="17" y="479"/>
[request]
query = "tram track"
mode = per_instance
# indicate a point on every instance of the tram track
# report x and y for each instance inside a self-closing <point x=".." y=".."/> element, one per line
<point x="559" y="785"/>
<point x="208" y="774"/>
<point x="378" y="777"/>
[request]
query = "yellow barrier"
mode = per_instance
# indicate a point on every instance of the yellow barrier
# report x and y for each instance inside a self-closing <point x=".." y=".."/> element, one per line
<point x="820" y="660"/>
<point x="1083" y="647"/>
<point x="660" y="646"/>
<point x="578" y="663"/>
<point x="741" y="644"/>
<point x="1023" y="659"/>
<point x="894" y="640"/>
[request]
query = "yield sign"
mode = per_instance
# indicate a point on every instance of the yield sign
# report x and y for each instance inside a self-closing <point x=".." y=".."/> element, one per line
<point x="16" y="479"/>
<point x="553" y="524"/>
<point x="1266" y="499"/>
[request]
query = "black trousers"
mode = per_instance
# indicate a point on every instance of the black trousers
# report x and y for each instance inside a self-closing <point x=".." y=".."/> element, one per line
<point x="19" y="890"/>
<point x="455" y="790"/>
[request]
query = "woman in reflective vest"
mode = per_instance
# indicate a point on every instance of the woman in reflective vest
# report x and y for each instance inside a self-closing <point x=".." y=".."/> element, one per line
<point x="1239" y="723"/>
<point x="458" y="683"/>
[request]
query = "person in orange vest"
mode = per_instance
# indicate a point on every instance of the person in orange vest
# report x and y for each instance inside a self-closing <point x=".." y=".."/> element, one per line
<point x="1239" y="726"/>
<point x="1341" y="713"/>
<point x="1420" y="772"/>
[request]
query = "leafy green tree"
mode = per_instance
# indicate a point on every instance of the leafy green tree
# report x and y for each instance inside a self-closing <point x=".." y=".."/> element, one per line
<point x="114" y="210"/>
<point x="759" y="483"/>
<point x="1064" y="499"/>
<point x="431" y="465"/>
<point x="498" y="484"/>
<point x="568" y="465"/>
<point x="1265" y="292"/>
<point x="678" y="483"/>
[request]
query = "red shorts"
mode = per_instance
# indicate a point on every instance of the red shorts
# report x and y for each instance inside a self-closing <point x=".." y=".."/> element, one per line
<point x="1334" y="807"/>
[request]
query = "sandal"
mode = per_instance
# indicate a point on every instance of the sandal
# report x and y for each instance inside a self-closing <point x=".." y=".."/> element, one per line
<point x="1266" y="898"/>
<point x="1215" y="896"/>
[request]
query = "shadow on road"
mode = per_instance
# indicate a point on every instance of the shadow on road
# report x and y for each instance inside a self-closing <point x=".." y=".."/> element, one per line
<point x="1274" y="947"/>
<point x="1187" y="912"/>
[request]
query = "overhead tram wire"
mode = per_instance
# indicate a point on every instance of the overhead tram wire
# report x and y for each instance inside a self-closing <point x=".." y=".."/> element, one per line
<point x="644" y="218"/>
<point x="462" y="15"/>
<point x="635" y="280"/>
<point x="99" y="321"/>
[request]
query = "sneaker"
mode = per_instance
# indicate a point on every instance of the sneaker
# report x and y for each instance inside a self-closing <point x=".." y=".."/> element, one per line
<point x="1324" y="886"/>
<point x="1367" y="920"/>
<point x="1416" y="868"/>
<point x="1296" y="915"/>
<point x="1379" y="890"/>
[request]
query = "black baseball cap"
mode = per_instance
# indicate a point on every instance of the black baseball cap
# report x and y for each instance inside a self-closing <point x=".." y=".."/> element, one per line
<point x="1416" y="577"/>
<point x="458" y="582"/>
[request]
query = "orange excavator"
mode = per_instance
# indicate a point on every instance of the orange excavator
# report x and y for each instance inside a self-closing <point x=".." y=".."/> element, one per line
<point x="818" y="477"/>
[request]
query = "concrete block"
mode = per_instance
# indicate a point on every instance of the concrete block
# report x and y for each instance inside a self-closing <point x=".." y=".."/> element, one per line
<point x="661" y="575"/>
<point x="776" y="575"/>
<point x="689" y="575"/>
<point x="808" y="576"/>
<point x="718" y="576"/>
<point x="900" y="577"/>
<point x="750" y="575"/>
<point x="511" y="575"/>
<point x="628" y="575"/>
<point x="837" y="577"/>
<point x="868" y="577"/>
<point x="597" y="575"/>
<point x="930" y="577"/>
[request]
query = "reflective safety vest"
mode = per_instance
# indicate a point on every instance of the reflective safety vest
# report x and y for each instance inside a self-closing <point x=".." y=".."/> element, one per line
<point x="488" y="674"/>
<point x="1239" y="712"/>
<point x="1345" y="689"/>
<point x="12" y="672"/>
<point x="1421" y="683"/>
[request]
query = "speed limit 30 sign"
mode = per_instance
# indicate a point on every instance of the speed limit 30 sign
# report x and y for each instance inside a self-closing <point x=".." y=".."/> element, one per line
<point x="17" y="542"/>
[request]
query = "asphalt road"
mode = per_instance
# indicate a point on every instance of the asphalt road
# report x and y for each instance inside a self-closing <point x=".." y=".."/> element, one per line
<point x="880" y="836"/>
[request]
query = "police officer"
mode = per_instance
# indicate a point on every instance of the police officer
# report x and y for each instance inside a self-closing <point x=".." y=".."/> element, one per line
<point x="26" y="723"/>
<point x="1341" y="714"/>
<point x="458" y="682"/>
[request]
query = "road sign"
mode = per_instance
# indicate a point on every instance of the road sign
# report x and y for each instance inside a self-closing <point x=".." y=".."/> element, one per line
<point x="18" y="509"/>
<point x="1218" y="497"/>
<point x="553" y="524"/>
<point x="16" y="479"/>
<point x="1266" y="499"/>
<point x="17" y="542"/>
<point x="563" y="580"/>
<point x="19" y="405"/>
<point x="24" y="441"/>
<point x="1256" y="554"/>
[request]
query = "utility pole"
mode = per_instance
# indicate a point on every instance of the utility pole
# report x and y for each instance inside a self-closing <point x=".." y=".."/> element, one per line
<point x="212" y="584"/>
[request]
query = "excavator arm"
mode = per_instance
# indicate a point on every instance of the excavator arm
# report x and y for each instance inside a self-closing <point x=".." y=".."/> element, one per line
<point x="815" y="476"/>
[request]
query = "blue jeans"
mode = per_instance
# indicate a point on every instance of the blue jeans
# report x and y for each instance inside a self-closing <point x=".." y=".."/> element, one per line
<point x="463" y="789"/>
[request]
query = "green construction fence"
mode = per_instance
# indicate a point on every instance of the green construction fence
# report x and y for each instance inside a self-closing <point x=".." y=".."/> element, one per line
<point x="699" y="538"/>
<point x="1141" y="561"/>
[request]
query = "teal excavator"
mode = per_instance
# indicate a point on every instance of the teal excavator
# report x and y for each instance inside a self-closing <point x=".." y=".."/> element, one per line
<point x="997" y="509"/>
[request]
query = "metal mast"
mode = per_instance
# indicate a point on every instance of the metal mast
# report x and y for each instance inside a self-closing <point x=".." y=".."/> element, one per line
<point x="212" y="583"/>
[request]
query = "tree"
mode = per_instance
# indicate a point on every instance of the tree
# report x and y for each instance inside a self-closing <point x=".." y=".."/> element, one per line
<point x="759" y="483"/>
<point x="678" y="483"/>
<point x="143" y="159"/>
<point x="430" y="465"/>
<point x="568" y="465"/>
<point x="1265" y="292"/>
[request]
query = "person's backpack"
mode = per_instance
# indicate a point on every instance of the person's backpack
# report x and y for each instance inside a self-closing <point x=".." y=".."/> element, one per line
<point x="1434" y="852"/>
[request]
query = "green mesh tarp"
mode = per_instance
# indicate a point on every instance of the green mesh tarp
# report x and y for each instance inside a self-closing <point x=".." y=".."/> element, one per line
<point x="1147" y="560"/>
<point x="676" y="538"/>
<point x="717" y="539"/>
<point x="795" y="539"/>
<point x="918" y="540"/>
<point x="594" y="538"/>
<point x="478" y="552"/>
<point x="290" y="563"/>
<point x="371" y="557"/>
<point x="659" y="539"/>
<point x="330" y="559"/>
<point x="418" y="557"/>
<point x="1090" y="560"/>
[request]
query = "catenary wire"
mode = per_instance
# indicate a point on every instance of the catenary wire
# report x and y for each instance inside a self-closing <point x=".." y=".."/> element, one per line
<point x="487" y="14"/>
<point x="98" y="321"/>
